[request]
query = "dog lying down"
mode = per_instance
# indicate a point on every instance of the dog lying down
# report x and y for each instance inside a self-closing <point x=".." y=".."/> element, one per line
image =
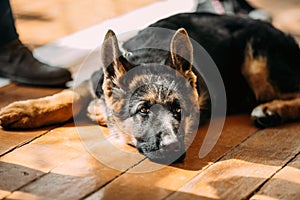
<point x="153" y="93"/>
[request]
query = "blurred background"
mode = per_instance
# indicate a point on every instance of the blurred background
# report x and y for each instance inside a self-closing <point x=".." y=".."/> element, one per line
<point x="41" y="22"/>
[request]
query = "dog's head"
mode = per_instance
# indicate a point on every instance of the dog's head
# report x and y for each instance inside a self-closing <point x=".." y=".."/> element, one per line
<point x="151" y="103"/>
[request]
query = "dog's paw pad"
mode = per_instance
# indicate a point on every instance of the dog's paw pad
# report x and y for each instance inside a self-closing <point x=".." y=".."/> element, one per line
<point x="263" y="117"/>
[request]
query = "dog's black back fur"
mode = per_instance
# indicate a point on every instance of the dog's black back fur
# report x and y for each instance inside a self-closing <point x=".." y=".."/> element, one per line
<point x="225" y="39"/>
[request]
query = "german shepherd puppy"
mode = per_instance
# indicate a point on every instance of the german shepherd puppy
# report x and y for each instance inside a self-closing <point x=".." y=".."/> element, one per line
<point x="152" y="97"/>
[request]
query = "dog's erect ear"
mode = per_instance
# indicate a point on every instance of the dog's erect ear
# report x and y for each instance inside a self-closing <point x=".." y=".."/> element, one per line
<point x="182" y="55"/>
<point x="114" y="64"/>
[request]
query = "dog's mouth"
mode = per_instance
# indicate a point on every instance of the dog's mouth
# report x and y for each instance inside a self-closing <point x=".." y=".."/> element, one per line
<point x="162" y="155"/>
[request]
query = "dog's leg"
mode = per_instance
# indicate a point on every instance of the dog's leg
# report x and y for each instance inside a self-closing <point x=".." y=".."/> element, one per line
<point x="255" y="71"/>
<point x="96" y="111"/>
<point x="276" y="112"/>
<point x="48" y="110"/>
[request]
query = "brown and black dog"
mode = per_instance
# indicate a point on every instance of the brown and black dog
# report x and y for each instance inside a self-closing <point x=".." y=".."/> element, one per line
<point x="149" y="95"/>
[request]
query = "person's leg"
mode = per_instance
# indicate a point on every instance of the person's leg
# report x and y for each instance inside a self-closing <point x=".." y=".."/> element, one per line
<point x="16" y="60"/>
<point x="7" y="25"/>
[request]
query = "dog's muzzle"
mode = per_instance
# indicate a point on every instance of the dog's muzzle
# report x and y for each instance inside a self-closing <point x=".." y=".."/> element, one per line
<point x="162" y="153"/>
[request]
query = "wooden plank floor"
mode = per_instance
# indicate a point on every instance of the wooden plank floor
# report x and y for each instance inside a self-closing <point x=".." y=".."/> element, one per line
<point x="54" y="162"/>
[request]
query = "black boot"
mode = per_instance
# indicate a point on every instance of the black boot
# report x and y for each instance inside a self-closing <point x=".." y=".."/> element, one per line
<point x="18" y="64"/>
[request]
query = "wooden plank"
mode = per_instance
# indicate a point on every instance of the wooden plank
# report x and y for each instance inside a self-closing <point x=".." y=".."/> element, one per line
<point x="14" y="176"/>
<point x="72" y="180"/>
<point x="245" y="168"/>
<point x="283" y="185"/>
<point x="39" y="157"/>
<point x="162" y="182"/>
<point x="76" y="178"/>
<point x="13" y="139"/>
<point x="57" y="166"/>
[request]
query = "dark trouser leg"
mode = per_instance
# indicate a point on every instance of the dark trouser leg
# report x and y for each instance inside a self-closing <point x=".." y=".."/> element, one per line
<point x="7" y="25"/>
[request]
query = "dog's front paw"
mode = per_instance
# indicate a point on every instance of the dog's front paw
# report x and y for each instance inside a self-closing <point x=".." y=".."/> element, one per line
<point x="96" y="112"/>
<point x="16" y="115"/>
<point x="264" y="117"/>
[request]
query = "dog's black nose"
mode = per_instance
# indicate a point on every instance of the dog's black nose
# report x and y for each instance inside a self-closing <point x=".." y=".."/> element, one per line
<point x="172" y="147"/>
<point x="169" y="142"/>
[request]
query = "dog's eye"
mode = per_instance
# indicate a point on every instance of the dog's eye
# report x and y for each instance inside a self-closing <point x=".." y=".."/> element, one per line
<point x="144" y="110"/>
<point x="175" y="107"/>
<point x="178" y="110"/>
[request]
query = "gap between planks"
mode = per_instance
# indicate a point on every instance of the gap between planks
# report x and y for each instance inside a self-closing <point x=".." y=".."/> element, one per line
<point x="271" y="177"/>
<point x="68" y="136"/>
